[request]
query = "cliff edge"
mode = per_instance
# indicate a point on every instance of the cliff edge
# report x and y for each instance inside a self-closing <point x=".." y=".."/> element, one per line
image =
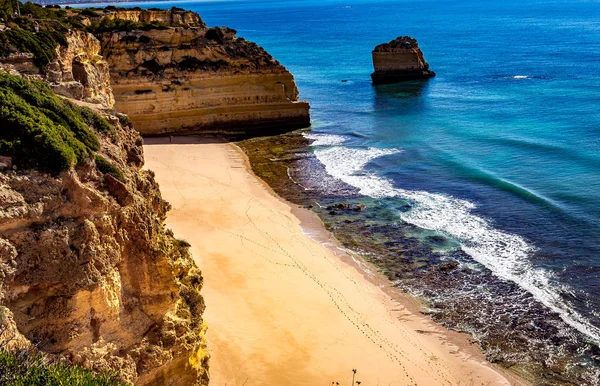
<point x="184" y="77"/>
<point x="399" y="60"/>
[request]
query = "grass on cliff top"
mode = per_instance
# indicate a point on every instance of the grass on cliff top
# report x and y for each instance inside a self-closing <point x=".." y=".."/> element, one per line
<point x="54" y="23"/>
<point x="25" y="368"/>
<point x="21" y="36"/>
<point x="43" y="131"/>
<point x="110" y="25"/>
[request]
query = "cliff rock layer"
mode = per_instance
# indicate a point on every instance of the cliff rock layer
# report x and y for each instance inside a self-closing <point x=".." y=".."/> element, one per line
<point x="89" y="271"/>
<point x="78" y="72"/>
<point x="175" y="16"/>
<point x="182" y="79"/>
<point x="399" y="60"/>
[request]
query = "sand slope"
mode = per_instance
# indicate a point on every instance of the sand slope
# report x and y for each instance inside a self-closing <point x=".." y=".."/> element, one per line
<point x="281" y="308"/>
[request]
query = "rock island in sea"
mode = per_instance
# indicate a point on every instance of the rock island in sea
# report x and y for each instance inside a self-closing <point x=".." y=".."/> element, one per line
<point x="399" y="60"/>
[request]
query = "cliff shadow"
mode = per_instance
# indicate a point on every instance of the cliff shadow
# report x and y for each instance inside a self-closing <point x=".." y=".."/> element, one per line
<point x="182" y="140"/>
<point x="199" y="137"/>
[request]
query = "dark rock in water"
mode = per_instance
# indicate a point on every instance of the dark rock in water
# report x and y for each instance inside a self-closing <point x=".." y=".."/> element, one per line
<point x="447" y="267"/>
<point x="399" y="60"/>
<point x="359" y="208"/>
<point x="436" y="239"/>
<point x="344" y="206"/>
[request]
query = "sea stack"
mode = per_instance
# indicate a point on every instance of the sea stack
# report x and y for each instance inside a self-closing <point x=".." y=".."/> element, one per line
<point x="399" y="60"/>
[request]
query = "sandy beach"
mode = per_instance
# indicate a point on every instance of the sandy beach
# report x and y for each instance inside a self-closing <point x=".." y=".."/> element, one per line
<point x="282" y="308"/>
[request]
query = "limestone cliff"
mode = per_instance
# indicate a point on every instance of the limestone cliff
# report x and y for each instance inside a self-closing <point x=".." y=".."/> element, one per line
<point x="88" y="271"/>
<point x="399" y="60"/>
<point x="174" y="16"/>
<point x="182" y="79"/>
<point x="78" y="72"/>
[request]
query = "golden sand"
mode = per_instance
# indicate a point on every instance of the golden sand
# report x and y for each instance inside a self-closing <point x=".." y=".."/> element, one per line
<point x="282" y="309"/>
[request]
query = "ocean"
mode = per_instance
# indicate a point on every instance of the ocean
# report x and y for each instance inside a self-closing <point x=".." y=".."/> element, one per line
<point x="494" y="163"/>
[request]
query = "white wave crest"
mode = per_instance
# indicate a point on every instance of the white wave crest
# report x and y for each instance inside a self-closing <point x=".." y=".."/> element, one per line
<point x="506" y="255"/>
<point x="325" y="139"/>
<point x="520" y="77"/>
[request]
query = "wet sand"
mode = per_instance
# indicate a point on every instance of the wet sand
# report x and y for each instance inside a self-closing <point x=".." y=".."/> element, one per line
<point x="285" y="305"/>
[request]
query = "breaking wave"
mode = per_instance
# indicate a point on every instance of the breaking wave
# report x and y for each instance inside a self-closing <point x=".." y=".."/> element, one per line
<point x="505" y="254"/>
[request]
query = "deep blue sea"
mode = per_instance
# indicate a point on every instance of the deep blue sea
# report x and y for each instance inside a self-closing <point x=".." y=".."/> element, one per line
<point x="500" y="152"/>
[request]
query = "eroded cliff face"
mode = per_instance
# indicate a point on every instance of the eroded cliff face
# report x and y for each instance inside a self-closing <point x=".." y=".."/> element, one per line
<point x="175" y="16"/>
<point x="399" y="60"/>
<point x="184" y="79"/>
<point x="79" y="71"/>
<point x="90" y="272"/>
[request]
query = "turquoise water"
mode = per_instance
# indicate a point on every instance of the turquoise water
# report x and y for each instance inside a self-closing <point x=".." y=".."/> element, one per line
<point x="500" y="152"/>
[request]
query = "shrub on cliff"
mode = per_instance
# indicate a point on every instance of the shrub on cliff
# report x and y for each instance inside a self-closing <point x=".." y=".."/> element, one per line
<point x="21" y="36"/>
<point x="110" y="25"/>
<point x="26" y="368"/>
<point x="43" y="131"/>
<point x="42" y="44"/>
<point x="105" y="167"/>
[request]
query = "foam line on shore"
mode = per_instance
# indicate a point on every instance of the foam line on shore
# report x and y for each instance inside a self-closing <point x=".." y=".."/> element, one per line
<point x="505" y="254"/>
<point x="280" y="307"/>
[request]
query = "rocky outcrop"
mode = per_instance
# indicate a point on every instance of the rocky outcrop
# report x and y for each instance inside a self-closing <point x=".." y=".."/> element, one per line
<point x="174" y="16"/>
<point x="399" y="60"/>
<point x="185" y="79"/>
<point x="89" y="272"/>
<point x="79" y="71"/>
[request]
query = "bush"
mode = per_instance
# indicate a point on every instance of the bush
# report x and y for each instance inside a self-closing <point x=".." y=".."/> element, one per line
<point x="180" y="243"/>
<point x="42" y="44"/>
<point x="110" y="25"/>
<point x="124" y="120"/>
<point x="105" y="167"/>
<point x="26" y="368"/>
<point x="90" y="13"/>
<point x="91" y="118"/>
<point x="41" y="130"/>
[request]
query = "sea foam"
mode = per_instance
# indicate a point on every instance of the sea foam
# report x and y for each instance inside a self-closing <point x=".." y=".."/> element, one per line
<point x="505" y="254"/>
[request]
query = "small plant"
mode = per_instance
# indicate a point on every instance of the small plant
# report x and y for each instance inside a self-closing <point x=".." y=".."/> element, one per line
<point x="180" y="243"/>
<point x="90" y="13"/>
<point x="41" y="130"/>
<point x="104" y="166"/>
<point x="124" y="120"/>
<point x="26" y="367"/>
<point x="96" y="121"/>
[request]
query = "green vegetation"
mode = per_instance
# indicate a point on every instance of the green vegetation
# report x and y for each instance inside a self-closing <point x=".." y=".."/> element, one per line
<point x="42" y="44"/>
<point x="104" y="166"/>
<point x="110" y="25"/>
<point x="26" y="368"/>
<point x="91" y="118"/>
<point x="124" y="120"/>
<point x="45" y="132"/>
<point x="21" y="36"/>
